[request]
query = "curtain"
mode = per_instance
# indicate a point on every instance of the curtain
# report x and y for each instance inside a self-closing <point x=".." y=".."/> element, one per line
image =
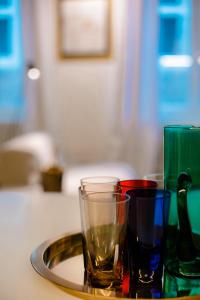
<point x="33" y="109"/>
<point x="140" y="131"/>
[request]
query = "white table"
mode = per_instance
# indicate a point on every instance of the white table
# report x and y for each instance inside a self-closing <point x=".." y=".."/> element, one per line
<point x="27" y="218"/>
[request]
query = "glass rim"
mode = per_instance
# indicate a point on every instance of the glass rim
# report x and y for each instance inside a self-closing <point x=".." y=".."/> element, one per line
<point x="178" y="125"/>
<point x="126" y="198"/>
<point x="182" y="126"/>
<point x="86" y="180"/>
<point x="159" y="193"/>
<point x="154" y="175"/>
<point x="137" y="183"/>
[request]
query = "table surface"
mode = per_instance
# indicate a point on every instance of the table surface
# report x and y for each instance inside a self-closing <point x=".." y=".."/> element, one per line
<point x="28" y="217"/>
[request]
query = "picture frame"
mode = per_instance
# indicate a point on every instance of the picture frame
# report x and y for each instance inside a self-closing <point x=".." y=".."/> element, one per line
<point x="84" y="28"/>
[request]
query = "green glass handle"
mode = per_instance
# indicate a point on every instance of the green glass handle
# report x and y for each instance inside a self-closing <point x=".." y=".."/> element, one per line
<point x="185" y="248"/>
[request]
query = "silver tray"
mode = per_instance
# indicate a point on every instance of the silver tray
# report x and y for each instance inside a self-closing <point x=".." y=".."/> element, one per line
<point x="60" y="261"/>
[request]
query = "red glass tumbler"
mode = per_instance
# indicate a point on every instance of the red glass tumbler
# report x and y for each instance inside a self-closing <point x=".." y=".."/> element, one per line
<point x="127" y="185"/>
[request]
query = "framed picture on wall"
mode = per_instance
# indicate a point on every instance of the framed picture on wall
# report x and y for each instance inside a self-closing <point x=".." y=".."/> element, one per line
<point x="84" y="28"/>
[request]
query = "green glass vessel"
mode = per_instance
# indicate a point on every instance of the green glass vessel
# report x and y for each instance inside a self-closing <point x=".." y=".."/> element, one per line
<point x="179" y="287"/>
<point x="182" y="178"/>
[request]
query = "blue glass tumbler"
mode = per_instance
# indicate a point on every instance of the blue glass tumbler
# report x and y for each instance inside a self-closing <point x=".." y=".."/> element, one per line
<point x="148" y="213"/>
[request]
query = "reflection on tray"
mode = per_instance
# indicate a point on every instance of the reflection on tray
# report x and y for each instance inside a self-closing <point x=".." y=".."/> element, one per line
<point x="127" y="290"/>
<point x="60" y="261"/>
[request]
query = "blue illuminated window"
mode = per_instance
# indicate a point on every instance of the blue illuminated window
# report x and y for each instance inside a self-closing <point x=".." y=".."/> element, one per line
<point x="4" y="3"/>
<point x="175" y="61"/>
<point x="5" y="33"/>
<point x="166" y="82"/>
<point x="11" y="62"/>
<point x="168" y="28"/>
<point x="170" y="1"/>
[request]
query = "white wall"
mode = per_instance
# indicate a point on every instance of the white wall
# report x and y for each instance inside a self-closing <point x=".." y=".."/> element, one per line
<point x="80" y="99"/>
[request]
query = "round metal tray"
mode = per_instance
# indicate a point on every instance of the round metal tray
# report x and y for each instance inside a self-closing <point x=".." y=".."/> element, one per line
<point x="60" y="261"/>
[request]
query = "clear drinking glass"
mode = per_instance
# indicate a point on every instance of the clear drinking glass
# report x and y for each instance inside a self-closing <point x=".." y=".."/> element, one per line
<point x="157" y="177"/>
<point x="99" y="184"/>
<point x="104" y="218"/>
<point x="96" y="184"/>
